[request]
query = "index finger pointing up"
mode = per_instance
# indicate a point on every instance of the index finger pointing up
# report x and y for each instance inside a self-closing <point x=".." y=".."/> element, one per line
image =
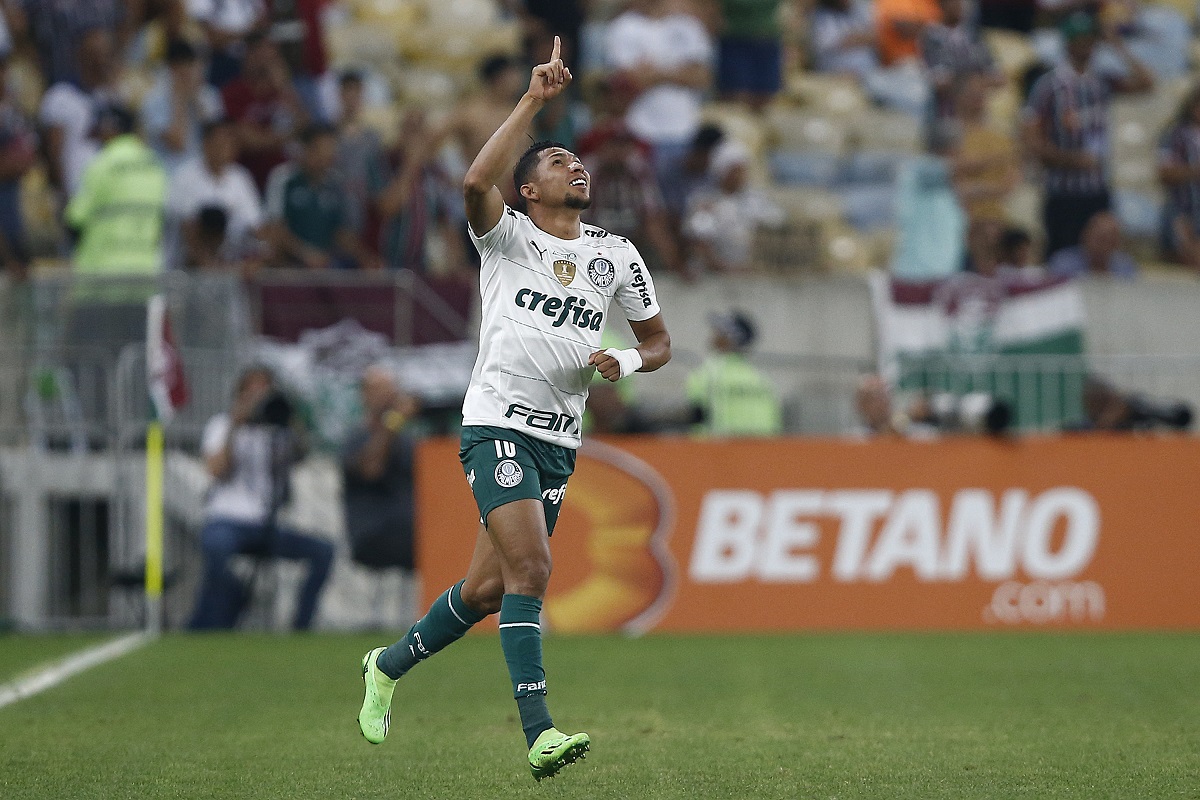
<point x="554" y="55"/>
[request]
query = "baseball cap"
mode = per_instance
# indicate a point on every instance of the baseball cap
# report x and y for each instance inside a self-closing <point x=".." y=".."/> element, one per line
<point x="1077" y="24"/>
<point x="736" y="326"/>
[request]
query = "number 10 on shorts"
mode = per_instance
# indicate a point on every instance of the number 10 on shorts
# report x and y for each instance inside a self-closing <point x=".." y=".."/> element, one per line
<point x="505" y="449"/>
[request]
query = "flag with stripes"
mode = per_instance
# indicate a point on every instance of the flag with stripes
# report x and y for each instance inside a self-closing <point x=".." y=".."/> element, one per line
<point x="1017" y="337"/>
<point x="164" y="368"/>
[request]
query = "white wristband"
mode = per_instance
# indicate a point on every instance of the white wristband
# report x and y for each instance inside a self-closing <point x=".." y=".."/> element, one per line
<point x="630" y="360"/>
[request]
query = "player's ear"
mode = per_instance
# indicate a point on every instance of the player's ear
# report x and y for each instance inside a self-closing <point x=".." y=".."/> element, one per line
<point x="529" y="192"/>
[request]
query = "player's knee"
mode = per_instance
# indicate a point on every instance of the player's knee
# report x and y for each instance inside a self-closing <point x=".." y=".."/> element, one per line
<point x="529" y="576"/>
<point x="484" y="597"/>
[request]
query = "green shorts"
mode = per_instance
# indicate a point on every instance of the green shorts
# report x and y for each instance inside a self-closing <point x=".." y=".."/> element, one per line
<point x="504" y="465"/>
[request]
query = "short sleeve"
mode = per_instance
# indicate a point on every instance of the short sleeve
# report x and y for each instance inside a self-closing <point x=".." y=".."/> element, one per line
<point x="499" y="236"/>
<point x="181" y="194"/>
<point x="277" y="191"/>
<point x="635" y="294"/>
<point x="215" y="434"/>
<point x="87" y="197"/>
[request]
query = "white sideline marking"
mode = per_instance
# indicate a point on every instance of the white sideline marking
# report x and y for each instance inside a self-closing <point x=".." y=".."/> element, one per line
<point x="69" y="666"/>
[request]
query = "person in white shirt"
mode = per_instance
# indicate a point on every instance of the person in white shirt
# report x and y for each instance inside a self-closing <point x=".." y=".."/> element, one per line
<point x="547" y="282"/>
<point x="249" y="453"/>
<point x="178" y="106"/>
<point x="68" y="110"/>
<point x="215" y="180"/>
<point x="662" y="51"/>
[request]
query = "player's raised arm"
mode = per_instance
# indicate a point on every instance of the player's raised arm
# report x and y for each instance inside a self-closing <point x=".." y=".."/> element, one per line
<point x="494" y="162"/>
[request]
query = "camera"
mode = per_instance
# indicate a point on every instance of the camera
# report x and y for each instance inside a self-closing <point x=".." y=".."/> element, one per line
<point x="975" y="412"/>
<point x="275" y="410"/>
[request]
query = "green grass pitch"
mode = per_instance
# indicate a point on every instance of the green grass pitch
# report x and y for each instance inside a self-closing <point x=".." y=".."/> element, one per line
<point x="804" y="716"/>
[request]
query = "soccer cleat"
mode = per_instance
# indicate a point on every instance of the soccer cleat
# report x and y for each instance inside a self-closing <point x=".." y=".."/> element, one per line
<point x="554" y="750"/>
<point x="376" y="713"/>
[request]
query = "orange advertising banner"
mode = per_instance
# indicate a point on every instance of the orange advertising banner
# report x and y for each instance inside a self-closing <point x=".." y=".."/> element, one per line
<point x="1088" y="532"/>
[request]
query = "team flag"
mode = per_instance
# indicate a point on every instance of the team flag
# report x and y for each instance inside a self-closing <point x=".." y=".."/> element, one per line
<point x="1019" y="338"/>
<point x="164" y="368"/>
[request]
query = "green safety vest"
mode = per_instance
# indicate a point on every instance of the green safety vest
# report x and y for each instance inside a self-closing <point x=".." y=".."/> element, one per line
<point x="737" y="398"/>
<point x="119" y="211"/>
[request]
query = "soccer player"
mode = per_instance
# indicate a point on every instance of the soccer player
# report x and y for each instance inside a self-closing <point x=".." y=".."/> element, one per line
<point x="547" y="281"/>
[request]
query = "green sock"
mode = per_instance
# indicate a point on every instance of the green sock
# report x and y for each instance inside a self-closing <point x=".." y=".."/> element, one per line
<point x="521" y="640"/>
<point x="444" y="624"/>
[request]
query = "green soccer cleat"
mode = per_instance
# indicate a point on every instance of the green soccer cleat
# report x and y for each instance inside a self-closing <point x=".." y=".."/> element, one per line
<point x="376" y="713"/>
<point x="554" y="750"/>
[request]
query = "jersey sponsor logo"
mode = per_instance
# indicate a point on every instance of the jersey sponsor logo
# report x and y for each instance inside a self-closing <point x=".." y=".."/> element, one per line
<point x="560" y="310"/>
<point x="555" y="495"/>
<point x="600" y="233"/>
<point x="540" y="686"/>
<point x="639" y="283"/>
<point x="509" y="473"/>
<point x="602" y="272"/>
<point x="543" y="420"/>
<point x="565" y="271"/>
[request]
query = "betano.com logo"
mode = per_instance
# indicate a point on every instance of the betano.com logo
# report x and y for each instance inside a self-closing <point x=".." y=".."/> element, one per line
<point x="1048" y="539"/>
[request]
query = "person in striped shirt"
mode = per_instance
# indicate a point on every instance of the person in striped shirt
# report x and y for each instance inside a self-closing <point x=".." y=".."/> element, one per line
<point x="1066" y="128"/>
<point x="1179" y="172"/>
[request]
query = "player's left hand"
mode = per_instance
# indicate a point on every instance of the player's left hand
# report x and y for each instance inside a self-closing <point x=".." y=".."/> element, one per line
<point x="608" y="367"/>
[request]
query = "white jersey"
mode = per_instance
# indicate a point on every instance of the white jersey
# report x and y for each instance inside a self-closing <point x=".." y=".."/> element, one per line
<point x="545" y="304"/>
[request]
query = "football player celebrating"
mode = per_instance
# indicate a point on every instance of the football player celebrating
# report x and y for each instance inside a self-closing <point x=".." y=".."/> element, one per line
<point x="547" y="282"/>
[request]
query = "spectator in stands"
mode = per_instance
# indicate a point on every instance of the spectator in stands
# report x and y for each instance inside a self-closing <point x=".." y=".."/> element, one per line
<point x="983" y="247"/>
<point x="477" y="118"/>
<point x="68" y="111"/>
<point x="297" y="27"/>
<point x="663" y="52"/>
<point x="728" y="395"/>
<point x="987" y="166"/>
<point x="227" y="26"/>
<point x="377" y="475"/>
<point x="117" y="212"/>
<point x="694" y="174"/>
<point x="750" y="56"/>
<point x="1179" y="171"/>
<point x="721" y="224"/>
<point x="215" y="181"/>
<point x="1098" y="252"/>
<point x="360" y="162"/>
<point x="626" y="200"/>
<point x="542" y="20"/>
<point x="266" y="108"/>
<point x="953" y="52"/>
<point x="1067" y="130"/>
<point x="178" y="106"/>
<point x="1017" y="252"/>
<point x="556" y="123"/>
<point x="844" y="38"/>
<point x="249" y="453"/>
<point x="873" y="401"/>
<point x="930" y="223"/>
<point x="311" y="217"/>
<point x="899" y="25"/>
<point x="57" y="29"/>
<point x="1013" y="15"/>
<point x="417" y="221"/>
<point x="18" y="153"/>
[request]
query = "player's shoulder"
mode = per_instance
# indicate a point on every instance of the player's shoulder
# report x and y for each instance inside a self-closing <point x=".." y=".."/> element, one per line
<point x="595" y="235"/>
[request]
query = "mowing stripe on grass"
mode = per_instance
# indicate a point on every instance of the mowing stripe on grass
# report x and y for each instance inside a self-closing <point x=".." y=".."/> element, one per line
<point x="69" y="666"/>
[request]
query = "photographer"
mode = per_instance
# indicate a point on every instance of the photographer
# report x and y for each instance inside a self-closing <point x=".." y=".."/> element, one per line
<point x="377" y="476"/>
<point x="249" y="453"/>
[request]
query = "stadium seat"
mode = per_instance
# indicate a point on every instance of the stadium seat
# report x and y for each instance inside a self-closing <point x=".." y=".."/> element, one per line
<point x="1012" y="51"/>
<point x="868" y="206"/>
<point x="804" y="168"/>
<point x="887" y="130"/>
<point x="796" y="129"/>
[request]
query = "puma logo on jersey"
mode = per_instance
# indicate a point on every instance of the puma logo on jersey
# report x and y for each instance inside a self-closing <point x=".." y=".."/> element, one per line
<point x="559" y="310"/>
<point x="543" y="420"/>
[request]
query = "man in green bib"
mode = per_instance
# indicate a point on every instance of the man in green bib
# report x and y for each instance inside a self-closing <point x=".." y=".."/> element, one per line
<point x="728" y="395"/>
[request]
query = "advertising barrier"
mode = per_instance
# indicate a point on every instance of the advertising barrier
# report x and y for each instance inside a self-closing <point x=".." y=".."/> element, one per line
<point x="1086" y="532"/>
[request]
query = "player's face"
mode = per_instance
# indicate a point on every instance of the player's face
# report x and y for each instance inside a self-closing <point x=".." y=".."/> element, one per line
<point x="562" y="171"/>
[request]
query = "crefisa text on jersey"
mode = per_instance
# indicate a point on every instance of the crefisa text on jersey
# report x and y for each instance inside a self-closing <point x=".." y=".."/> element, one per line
<point x="573" y="307"/>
